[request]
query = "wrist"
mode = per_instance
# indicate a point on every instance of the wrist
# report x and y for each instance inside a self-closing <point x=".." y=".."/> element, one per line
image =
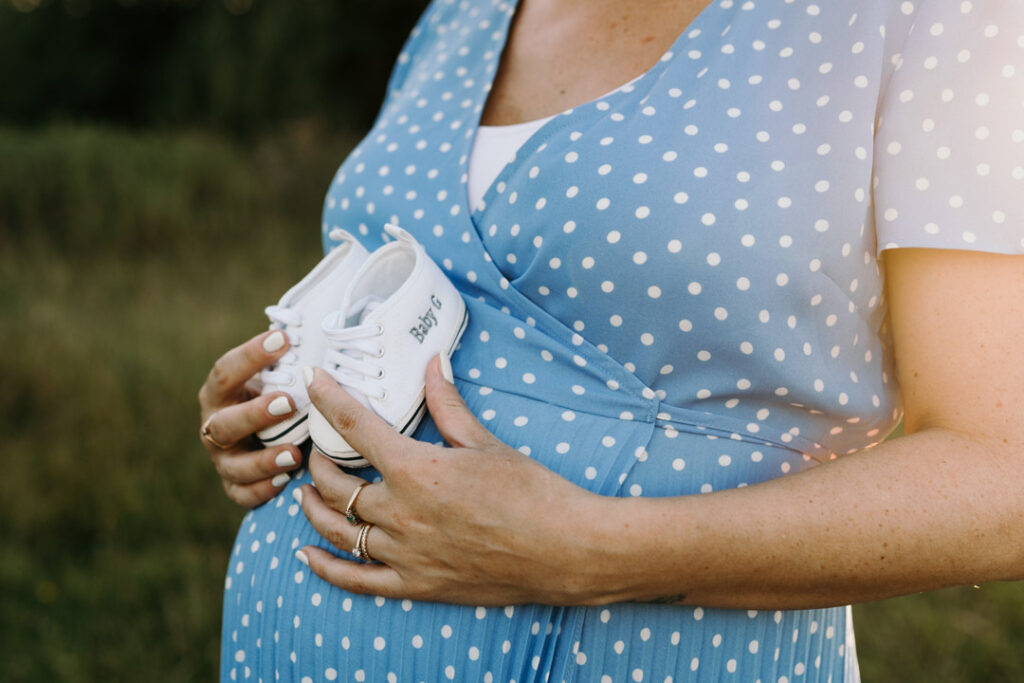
<point x="632" y="550"/>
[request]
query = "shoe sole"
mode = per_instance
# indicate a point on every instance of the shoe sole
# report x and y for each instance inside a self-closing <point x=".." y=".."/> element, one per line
<point x="283" y="437"/>
<point x="358" y="462"/>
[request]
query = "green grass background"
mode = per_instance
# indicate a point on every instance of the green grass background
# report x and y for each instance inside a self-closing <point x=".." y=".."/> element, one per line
<point x="128" y="262"/>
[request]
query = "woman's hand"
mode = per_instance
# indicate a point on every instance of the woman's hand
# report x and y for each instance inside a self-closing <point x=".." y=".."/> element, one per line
<point x="231" y="410"/>
<point x="478" y="523"/>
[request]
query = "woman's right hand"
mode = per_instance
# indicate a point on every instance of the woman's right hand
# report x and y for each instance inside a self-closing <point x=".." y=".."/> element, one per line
<point x="232" y="410"/>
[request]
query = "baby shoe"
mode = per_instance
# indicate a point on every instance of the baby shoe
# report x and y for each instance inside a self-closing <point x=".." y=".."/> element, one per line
<point x="298" y="314"/>
<point x="399" y="312"/>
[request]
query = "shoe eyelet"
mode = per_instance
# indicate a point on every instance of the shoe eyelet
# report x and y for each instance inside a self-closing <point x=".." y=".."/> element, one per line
<point x="380" y="330"/>
<point x="380" y="352"/>
<point x="383" y="396"/>
<point x="380" y="373"/>
<point x="291" y="382"/>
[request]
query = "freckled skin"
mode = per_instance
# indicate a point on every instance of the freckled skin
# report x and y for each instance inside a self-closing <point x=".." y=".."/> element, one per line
<point x="542" y="73"/>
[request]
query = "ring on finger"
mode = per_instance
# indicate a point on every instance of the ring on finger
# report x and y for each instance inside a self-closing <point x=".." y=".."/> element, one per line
<point x="204" y="433"/>
<point x="360" y="551"/>
<point x="350" y="510"/>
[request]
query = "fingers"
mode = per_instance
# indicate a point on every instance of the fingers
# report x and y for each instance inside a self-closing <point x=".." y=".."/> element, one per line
<point x="336" y="487"/>
<point x="256" y="493"/>
<point x="457" y="424"/>
<point x="336" y="529"/>
<point x="369" y="435"/>
<point x="372" y="579"/>
<point x="231" y="371"/>
<point x="230" y="425"/>
<point x="250" y="467"/>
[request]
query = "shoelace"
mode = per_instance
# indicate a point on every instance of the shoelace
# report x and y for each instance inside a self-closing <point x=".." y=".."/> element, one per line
<point x="352" y="350"/>
<point x="282" y="318"/>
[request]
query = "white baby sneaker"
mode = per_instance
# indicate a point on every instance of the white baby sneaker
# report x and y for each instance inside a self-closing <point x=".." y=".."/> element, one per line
<point x="298" y="314"/>
<point x="398" y="313"/>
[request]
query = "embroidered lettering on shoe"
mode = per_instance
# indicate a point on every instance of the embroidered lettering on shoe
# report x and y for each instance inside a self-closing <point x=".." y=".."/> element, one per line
<point x="427" y="321"/>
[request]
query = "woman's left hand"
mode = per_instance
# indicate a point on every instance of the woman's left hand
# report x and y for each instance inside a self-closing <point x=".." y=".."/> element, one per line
<point x="478" y="523"/>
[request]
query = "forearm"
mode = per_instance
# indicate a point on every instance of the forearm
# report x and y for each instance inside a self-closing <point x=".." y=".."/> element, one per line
<point x="934" y="509"/>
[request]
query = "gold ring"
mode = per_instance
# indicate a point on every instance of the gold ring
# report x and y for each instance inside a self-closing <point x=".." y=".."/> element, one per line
<point x="204" y="433"/>
<point x="350" y="509"/>
<point x="360" y="551"/>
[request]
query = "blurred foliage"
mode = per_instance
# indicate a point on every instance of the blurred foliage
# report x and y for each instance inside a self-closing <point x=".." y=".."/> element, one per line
<point x="123" y="279"/>
<point x="242" y="66"/>
<point x="960" y="635"/>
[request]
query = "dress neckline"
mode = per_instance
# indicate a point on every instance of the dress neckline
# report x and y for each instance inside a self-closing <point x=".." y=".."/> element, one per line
<point x="555" y="121"/>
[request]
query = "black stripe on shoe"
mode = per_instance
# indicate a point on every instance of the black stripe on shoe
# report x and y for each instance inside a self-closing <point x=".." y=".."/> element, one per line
<point x="286" y="431"/>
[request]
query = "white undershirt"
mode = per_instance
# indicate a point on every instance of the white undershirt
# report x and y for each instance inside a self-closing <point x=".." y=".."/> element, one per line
<point x="494" y="147"/>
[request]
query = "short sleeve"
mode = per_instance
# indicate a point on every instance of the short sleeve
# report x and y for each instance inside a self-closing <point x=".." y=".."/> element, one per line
<point x="949" y="144"/>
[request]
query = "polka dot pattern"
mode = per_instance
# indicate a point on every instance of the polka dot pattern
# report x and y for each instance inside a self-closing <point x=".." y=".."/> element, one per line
<point x="950" y="147"/>
<point x="673" y="290"/>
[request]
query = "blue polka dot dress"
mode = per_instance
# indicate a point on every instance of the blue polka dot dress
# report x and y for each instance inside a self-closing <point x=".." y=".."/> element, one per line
<point x="673" y="290"/>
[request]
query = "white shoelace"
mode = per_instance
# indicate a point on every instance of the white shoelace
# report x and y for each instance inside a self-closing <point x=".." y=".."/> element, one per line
<point x="352" y="350"/>
<point x="281" y="318"/>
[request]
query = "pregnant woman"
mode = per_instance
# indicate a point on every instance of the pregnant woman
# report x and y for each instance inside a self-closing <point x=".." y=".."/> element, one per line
<point x="711" y="254"/>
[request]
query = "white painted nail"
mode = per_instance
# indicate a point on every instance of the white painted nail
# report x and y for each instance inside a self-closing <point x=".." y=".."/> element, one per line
<point x="285" y="459"/>
<point x="307" y="375"/>
<point x="280" y="480"/>
<point x="273" y="342"/>
<point x="297" y="495"/>
<point x="302" y="557"/>
<point x="279" y="406"/>
<point x="446" y="368"/>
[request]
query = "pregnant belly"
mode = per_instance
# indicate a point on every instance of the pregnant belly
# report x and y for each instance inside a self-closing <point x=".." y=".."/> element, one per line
<point x="282" y="621"/>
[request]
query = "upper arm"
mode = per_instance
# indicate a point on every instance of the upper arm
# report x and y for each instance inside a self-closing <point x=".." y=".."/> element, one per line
<point x="958" y="333"/>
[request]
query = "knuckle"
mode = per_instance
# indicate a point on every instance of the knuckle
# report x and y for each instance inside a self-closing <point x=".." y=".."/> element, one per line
<point x="220" y="374"/>
<point x="336" y="537"/>
<point x="358" y="585"/>
<point x="452" y="404"/>
<point x="344" y="420"/>
<point x="235" y="493"/>
<point x="332" y="498"/>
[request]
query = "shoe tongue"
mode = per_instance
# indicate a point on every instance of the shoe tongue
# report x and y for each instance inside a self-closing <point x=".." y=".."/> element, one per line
<point x="359" y="311"/>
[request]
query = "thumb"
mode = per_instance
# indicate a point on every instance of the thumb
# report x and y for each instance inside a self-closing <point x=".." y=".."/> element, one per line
<point x="457" y="424"/>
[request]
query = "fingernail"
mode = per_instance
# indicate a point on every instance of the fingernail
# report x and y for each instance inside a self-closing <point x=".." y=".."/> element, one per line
<point x="302" y="557"/>
<point x="297" y="495"/>
<point x="280" y="480"/>
<point x="279" y="406"/>
<point x="307" y="375"/>
<point x="285" y="459"/>
<point x="446" y="368"/>
<point x="273" y="342"/>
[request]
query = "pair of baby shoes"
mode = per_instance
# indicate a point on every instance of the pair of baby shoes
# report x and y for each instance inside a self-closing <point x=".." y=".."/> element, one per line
<point x="373" y="321"/>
